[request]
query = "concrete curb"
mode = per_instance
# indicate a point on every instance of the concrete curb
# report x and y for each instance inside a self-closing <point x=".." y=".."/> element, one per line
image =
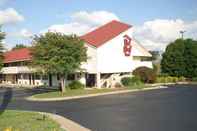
<point x="65" y="123"/>
<point x="31" y="98"/>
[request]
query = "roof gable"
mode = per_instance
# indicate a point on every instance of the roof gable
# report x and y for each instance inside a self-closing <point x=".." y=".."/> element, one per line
<point x="105" y="33"/>
<point x="17" y="55"/>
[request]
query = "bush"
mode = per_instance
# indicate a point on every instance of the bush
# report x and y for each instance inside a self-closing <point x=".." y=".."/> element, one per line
<point x="76" y="85"/>
<point x="131" y="81"/>
<point x="147" y="75"/>
<point x="126" y="81"/>
<point x="182" y="78"/>
<point x="168" y="79"/>
<point x="194" y="79"/>
<point x="175" y="79"/>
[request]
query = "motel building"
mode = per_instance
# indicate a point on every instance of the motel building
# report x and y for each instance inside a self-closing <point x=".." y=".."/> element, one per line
<point x="112" y="54"/>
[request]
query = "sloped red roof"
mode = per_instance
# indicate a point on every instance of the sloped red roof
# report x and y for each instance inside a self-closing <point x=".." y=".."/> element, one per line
<point x="95" y="38"/>
<point x="17" y="55"/>
<point x="105" y="33"/>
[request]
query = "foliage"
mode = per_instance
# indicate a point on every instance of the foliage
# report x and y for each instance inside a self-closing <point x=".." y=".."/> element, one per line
<point x="126" y="81"/>
<point x="131" y="81"/>
<point x="2" y="37"/>
<point x="19" y="46"/>
<point x="147" y="75"/>
<point x="169" y="79"/>
<point x="194" y="79"/>
<point x="182" y="78"/>
<point x="76" y="85"/>
<point x="180" y="58"/>
<point x="56" y="53"/>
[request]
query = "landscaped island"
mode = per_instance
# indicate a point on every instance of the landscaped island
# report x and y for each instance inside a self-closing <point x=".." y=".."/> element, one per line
<point x="12" y="120"/>
<point x="77" y="92"/>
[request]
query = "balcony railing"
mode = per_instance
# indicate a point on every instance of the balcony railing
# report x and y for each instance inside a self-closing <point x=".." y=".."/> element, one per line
<point x="15" y="70"/>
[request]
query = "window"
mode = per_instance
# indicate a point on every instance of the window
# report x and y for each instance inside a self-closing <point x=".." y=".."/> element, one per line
<point x="141" y="58"/>
<point x="58" y="77"/>
<point x="71" y="77"/>
<point x="45" y="77"/>
<point x="19" y="76"/>
<point x="37" y="77"/>
<point x="26" y="76"/>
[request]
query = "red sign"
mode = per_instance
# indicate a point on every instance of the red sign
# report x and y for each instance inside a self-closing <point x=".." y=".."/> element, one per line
<point x="127" y="45"/>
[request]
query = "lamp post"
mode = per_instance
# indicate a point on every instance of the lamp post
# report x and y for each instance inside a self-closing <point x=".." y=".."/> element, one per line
<point x="182" y="33"/>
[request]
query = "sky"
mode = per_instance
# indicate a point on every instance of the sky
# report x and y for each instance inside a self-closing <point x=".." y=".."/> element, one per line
<point x="156" y="23"/>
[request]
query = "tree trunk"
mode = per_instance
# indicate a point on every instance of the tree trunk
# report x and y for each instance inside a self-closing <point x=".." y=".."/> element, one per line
<point x="62" y="79"/>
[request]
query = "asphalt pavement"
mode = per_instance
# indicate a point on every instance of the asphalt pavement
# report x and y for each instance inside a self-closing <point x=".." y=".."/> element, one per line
<point x="169" y="109"/>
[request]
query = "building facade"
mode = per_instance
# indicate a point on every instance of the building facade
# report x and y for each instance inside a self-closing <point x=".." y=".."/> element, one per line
<point x="112" y="53"/>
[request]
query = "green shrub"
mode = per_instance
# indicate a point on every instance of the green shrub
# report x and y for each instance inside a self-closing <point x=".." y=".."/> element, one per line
<point x="175" y="79"/>
<point x="182" y="78"/>
<point x="168" y="79"/>
<point x="131" y="81"/>
<point x="126" y="81"/>
<point x="75" y="85"/>
<point x="147" y="75"/>
<point x="194" y="79"/>
<point x="161" y="80"/>
<point x="136" y="80"/>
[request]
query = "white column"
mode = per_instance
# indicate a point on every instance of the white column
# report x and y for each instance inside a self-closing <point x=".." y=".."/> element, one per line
<point x="82" y="78"/>
<point x="22" y="80"/>
<point x="98" y="80"/>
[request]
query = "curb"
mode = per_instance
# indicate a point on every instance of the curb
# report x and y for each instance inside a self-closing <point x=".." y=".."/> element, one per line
<point x="65" y="123"/>
<point x="31" y="98"/>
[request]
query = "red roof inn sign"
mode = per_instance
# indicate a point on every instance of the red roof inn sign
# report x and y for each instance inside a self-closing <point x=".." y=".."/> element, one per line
<point x="127" y="45"/>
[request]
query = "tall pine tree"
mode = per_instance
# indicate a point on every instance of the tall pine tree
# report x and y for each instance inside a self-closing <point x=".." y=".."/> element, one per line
<point x="2" y="37"/>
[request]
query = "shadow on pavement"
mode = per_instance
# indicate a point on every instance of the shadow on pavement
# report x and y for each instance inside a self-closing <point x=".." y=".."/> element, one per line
<point x="7" y="97"/>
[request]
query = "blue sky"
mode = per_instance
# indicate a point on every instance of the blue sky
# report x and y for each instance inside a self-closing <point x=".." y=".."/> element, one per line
<point x="40" y="15"/>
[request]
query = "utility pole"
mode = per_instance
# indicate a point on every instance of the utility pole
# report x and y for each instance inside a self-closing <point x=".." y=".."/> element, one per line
<point x="182" y="33"/>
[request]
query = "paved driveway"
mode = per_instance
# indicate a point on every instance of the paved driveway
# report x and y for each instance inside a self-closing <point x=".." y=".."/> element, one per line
<point x="170" y="109"/>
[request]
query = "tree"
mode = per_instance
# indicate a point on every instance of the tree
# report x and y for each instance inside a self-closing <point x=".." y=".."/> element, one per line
<point x="19" y="46"/>
<point x="173" y="59"/>
<point x="2" y="37"/>
<point x="180" y="58"/>
<point x="190" y="55"/>
<point x="56" y="53"/>
<point x="147" y="75"/>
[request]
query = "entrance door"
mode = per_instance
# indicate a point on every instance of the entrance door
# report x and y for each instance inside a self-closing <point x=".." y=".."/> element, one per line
<point x="50" y="80"/>
<point x="90" y="80"/>
<point x="30" y="79"/>
<point x="33" y="79"/>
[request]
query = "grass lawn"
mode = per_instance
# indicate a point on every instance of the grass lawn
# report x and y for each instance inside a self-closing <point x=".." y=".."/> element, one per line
<point x="26" y="121"/>
<point x="78" y="92"/>
<point x="75" y="92"/>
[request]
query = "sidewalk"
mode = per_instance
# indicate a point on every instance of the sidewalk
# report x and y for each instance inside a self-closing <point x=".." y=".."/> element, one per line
<point x="65" y="123"/>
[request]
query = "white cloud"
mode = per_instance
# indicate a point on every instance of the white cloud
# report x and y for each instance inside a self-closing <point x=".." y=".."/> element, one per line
<point x="83" y="22"/>
<point x="157" y="34"/>
<point x="9" y="16"/>
<point x="94" y="18"/>
<point x="25" y="33"/>
<point x="69" y="28"/>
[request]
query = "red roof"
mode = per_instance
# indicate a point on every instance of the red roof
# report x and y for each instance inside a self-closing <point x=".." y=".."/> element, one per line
<point x="17" y="55"/>
<point x="105" y="33"/>
<point x="95" y="38"/>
